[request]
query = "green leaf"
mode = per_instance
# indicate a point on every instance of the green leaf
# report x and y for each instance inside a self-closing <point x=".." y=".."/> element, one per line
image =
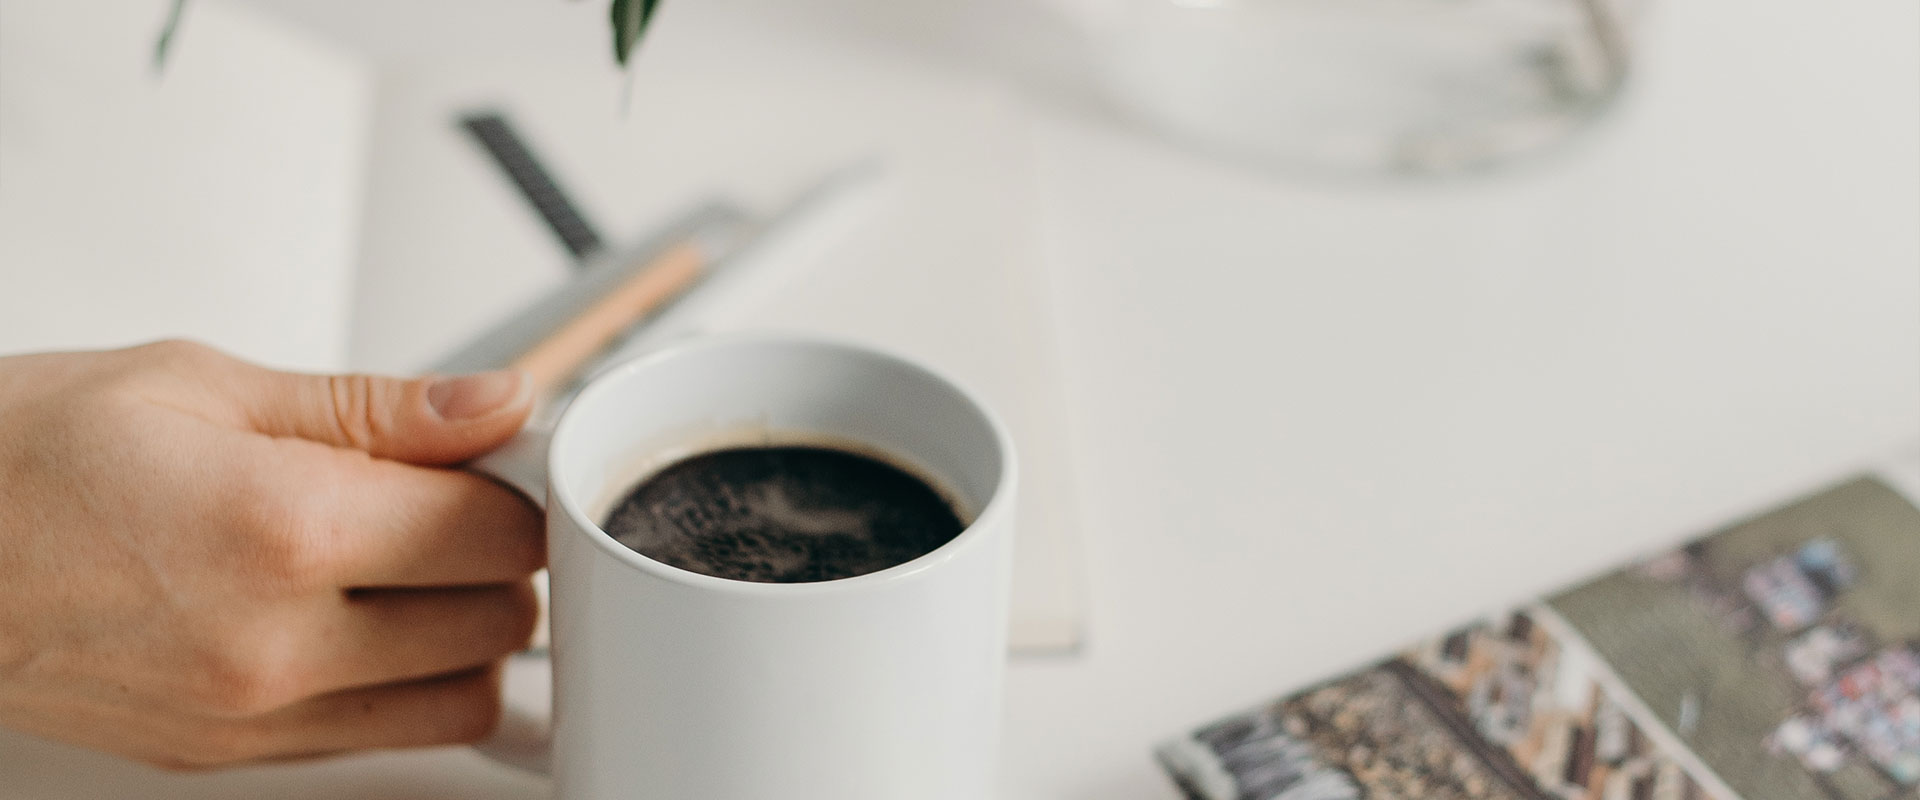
<point x="165" y="41"/>
<point x="630" y="18"/>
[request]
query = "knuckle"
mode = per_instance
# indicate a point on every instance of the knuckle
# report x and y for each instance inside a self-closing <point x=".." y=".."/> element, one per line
<point x="115" y="383"/>
<point x="245" y="679"/>
<point x="133" y="372"/>
<point x="177" y="352"/>
<point x="359" y="409"/>
<point x="172" y="357"/>
<point x="290" y="540"/>
<point x="300" y="554"/>
<point x="245" y="694"/>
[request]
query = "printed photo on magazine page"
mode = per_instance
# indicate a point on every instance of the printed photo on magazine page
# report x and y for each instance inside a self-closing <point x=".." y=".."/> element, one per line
<point x="1778" y="658"/>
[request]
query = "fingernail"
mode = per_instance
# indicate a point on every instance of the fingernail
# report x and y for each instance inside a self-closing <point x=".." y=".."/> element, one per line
<point x="463" y="397"/>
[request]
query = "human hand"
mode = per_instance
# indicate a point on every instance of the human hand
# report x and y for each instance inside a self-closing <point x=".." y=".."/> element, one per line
<point x="205" y="563"/>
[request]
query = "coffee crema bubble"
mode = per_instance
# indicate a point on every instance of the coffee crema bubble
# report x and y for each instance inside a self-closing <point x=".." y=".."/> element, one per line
<point x="783" y="514"/>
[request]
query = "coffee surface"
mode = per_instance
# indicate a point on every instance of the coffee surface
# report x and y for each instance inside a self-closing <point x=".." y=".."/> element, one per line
<point x="783" y="515"/>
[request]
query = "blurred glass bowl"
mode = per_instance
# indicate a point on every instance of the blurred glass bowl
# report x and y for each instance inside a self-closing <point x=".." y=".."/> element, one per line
<point x="1362" y="86"/>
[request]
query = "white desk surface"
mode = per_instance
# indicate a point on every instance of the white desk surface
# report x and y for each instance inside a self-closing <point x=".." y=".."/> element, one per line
<point x="1315" y="422"/>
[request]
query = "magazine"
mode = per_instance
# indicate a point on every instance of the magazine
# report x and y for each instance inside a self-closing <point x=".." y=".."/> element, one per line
<point x="1775" y="659"/>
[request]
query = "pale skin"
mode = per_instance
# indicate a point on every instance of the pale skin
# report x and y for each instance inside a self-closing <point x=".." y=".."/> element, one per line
<point x="206" y="563"/>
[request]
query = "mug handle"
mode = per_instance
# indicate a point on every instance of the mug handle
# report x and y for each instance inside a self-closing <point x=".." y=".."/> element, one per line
<point x="524" y="737"/>
<point x="521" y="463"/>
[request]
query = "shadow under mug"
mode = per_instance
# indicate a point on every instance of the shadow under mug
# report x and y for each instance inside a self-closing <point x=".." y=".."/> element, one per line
<point x="673" y="684"/>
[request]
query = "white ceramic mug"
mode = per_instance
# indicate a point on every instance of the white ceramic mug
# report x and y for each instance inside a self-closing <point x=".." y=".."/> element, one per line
<point x="673" y="684"/>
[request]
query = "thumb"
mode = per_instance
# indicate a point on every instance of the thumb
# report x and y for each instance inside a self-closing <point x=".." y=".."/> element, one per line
<point x="438" y="419"/>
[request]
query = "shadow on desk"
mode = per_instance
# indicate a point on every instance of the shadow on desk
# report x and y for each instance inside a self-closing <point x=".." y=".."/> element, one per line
<point x="35" y="769"/>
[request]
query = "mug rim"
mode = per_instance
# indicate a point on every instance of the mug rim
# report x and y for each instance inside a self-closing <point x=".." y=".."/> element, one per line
<point x="990" y="511"/>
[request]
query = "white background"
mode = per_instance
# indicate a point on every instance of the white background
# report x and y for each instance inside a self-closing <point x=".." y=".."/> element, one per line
<point x="1315" y="421"/>
<point x="217" y="201"/>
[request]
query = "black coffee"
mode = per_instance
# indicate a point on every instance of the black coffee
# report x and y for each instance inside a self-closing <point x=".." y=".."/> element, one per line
<point x="783" y="515"/>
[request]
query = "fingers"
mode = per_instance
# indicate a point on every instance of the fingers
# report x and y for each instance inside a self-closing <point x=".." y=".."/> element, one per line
<point x="404" y="526"/>
<point x="386" y="636"/>
<point x="317" y="519"/>
<point x="458" y="708"/>
<point x="433" y="420"/>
